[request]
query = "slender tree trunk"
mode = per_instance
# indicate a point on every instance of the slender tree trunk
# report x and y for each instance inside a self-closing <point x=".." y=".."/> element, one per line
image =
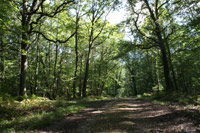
<point x="44" y="73"/>
<point x="76" y="62"/>
<point x="55" y="72"/>
<point x="86" y="73"/>
<point x="99" y="76"/>
<point x="36" y="70"/>
<point x="49" y="68"/>
<point x="80" y="78"/>
<point x="60" y="69"/>
<point x="88" y="60"/>
<point x="172" y="68"/>
<point x="183" y="81"/>
<point x="133" y="74"/>
<point x="150" y="75"/>
<point x="135" y="87"/>
<point x="95" y="81"/>
<point x="102" y="88"/>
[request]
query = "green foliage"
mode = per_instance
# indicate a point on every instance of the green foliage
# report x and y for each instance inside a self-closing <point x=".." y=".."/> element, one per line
<point x="118" y="67"/>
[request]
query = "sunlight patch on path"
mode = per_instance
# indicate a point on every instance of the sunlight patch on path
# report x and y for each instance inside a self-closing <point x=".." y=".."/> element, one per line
<point x="97" y="112"/>
<point x="136" y="116"/>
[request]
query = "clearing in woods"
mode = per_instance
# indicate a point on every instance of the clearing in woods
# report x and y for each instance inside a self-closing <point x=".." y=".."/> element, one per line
<point x="130" y="115"/>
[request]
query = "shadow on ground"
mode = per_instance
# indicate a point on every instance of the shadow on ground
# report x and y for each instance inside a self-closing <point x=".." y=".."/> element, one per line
<point x="126" y="116"/>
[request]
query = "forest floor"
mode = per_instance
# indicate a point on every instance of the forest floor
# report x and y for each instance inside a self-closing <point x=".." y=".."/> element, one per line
<point x="129" y="115"/>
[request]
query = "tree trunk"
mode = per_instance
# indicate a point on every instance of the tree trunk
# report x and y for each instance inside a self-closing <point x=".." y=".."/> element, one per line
<point x="183" y="81"/>
<point x="76" y="62"/>
<point x="44" y="73"/>
<point x="49" y="68"/>
<point x="80" y="78"/>
<point x="166" y="68"/>
<point x="171" y="65"/>
<point x="158" y="74"/>
<point x="60" y="69"/>
<point x="99" y="76"/>
<point x="55" y="72"/>
<point x="160" y="42"/>
<point x="164" y="57"/>
<point x="133" y="74"/>
<point x="88" y="59"/>
<point x="36" y="70"/>
<point x="24" y="64"/>
<point x="134" y="85"/>
<point x="24" y="49"/>
<point x="86" y="73"/>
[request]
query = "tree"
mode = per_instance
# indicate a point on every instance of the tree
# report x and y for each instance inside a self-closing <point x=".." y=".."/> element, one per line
<point x="31" y="14"/>
<point x="79" y="9"/>
<point x="97" y="12"/>
<point x="153" y="11"/>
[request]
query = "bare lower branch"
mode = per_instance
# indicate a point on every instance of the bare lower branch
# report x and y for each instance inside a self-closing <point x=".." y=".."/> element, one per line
<point x="54" y="41"/>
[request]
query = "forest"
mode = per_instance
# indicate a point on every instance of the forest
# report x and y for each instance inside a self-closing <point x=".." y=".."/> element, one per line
<point x="56" y="52"/>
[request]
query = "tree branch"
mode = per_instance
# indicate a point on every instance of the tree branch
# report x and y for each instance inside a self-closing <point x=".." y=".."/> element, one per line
<point x="143" y="34"/>
<point x="163" y="4"/>
<point x="54" y="41"/>
<point x="42" y="14"/>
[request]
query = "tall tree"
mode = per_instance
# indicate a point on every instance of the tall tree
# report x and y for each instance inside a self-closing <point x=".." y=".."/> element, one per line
<point x="32" y="12"/>
<point x="79" y="13"/>
<point x="99" y="9"/>
<point x="153" y="11"/>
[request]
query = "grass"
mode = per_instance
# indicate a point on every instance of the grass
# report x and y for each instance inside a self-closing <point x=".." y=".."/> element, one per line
<point x="173" y="97"/>
<point x="33" y="114"/>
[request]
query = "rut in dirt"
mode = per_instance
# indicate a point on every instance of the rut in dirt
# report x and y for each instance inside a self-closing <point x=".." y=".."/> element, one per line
<point x="127" y="116"/>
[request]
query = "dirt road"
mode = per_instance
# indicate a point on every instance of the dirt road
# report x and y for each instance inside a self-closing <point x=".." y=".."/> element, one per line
<point x="127" y="116"/>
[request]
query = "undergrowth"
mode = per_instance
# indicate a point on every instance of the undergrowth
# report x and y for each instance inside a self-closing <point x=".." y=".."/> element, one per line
<point x="173" y="97"/>
<point x="37" y="112"/>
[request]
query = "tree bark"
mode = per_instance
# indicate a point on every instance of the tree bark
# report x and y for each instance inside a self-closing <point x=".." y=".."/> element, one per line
<point x="60" y="69"/>
<point x="166" y="67"/>
<point x="88" y="59"/>
<point x="49" y="67"/>
<point x="55" y="72"/>
<point x="86" y="72"/>
<point x="171" y="65"/>
<point x="76" y="52"/>
<point x="158" y="74"/>
<point x="36" y="69"/>
<point x="134" y="85"/>
<point x="24" y="49"/>
<point x="80" y="77"/>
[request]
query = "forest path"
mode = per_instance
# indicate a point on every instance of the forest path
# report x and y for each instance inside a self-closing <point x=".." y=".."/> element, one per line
<point x="129" y="115"/>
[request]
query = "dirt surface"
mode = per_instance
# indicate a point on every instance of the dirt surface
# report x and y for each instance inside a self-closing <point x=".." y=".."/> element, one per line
<point x="128" y="116"/>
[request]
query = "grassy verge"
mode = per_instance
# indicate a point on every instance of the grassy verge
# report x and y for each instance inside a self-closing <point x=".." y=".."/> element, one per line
<point x="33" y="114"/>
<point x="173" y="98"/>
<point x="190" y="103"/>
